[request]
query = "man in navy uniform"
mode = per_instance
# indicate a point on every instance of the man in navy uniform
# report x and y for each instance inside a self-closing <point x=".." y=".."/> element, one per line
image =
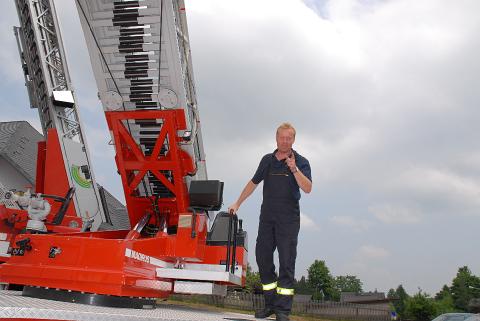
<point x="284" y="172"/>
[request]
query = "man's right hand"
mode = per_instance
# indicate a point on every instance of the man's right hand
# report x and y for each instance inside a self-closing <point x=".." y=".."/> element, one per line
<point x="232" y="209"/>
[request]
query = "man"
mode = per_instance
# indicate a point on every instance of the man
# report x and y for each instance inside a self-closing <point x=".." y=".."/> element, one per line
<point x="284" y="173"/>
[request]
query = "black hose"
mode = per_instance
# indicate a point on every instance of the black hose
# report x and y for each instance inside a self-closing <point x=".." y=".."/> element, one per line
<point x="234" y="251"/>
<point x="229" y="242"/>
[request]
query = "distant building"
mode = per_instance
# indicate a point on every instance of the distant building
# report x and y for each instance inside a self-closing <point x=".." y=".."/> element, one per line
<point x="302" y="298"/>
<point x="474" y="305"/>
<point x="372" y="299"/>
<point x="18" y="163"/>
<point x="18" y="154"/>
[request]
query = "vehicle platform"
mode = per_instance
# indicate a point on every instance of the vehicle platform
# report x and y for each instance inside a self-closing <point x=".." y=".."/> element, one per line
<point x="15" y="306"/>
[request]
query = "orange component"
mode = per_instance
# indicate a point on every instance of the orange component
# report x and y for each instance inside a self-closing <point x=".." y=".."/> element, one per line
<point x="55" y="180"/>
<point x="125" y="263"/>
<point x="40" y="175"/>
<point x="133" y="164"/>
<point x="51" y="178"/>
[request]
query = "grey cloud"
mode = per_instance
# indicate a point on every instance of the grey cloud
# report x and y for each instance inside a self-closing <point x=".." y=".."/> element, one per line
<point x="378" y="88"/>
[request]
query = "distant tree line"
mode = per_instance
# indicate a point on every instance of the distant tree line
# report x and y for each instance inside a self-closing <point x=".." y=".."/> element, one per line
<point x="319" y="283"/>
<point x="463" y="295"/>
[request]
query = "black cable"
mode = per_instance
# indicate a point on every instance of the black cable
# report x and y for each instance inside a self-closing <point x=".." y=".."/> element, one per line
<point x="110" y="72"/>
<point x="145" y="187"/>
<point x="104" y="60"/>
<point x="157" y="211"/>
<point x="20" y="206"/>
<point x="100" y="51"/>
<point x="160" y="53"/>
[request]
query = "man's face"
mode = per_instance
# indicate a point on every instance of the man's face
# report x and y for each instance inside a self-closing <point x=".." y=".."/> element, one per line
<point x="285" y="140"/>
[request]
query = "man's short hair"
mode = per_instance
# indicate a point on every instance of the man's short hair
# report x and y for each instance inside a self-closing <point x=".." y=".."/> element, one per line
<point x="287" y="126"/>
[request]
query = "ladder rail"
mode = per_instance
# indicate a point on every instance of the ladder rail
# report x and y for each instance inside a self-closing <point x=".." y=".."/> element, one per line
<point x="43" y="58"/>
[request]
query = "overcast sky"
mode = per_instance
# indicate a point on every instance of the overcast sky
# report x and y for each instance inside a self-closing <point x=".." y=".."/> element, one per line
<point x="385" y="98"/>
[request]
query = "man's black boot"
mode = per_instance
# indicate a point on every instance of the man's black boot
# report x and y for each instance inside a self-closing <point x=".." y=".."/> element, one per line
<point x="264" y="313"/>
<point x="282" y="316"/>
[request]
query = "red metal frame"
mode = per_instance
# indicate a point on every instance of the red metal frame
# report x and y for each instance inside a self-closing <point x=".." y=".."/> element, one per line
<point x="52" y="176"/>
<point x="133" y="164"/>
<point x="125" y="263"/>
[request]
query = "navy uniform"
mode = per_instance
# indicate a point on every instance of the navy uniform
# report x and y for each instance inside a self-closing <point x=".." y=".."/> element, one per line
<point x="278" y="228"/>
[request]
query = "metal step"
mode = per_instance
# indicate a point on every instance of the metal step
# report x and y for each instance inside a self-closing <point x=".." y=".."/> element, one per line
<point x="13" y="305"/>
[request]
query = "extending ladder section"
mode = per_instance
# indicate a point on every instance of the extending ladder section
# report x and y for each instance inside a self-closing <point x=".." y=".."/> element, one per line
<point x="50" y="91"/>
<point x="140" y="55"/>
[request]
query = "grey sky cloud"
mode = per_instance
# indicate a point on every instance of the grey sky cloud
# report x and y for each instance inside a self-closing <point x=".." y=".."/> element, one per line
<point x="368" y="252"/>
<point x="385" y="100"/>
<point x="391" y="214"/>
<point x="351" y="222"/>
<point x="306" y="223"/>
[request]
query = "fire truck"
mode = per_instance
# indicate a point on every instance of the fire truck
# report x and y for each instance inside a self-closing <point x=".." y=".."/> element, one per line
<point x="141" y="59"/>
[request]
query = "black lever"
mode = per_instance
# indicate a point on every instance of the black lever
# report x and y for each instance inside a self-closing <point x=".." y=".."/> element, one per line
<point x="232" y="224"/>
<point x="234" y="252"/>
<point x="57" y="220"/>
<point x="194" y="223"/>
<point x="229" y="242"/>
<point x="23" y="245"/>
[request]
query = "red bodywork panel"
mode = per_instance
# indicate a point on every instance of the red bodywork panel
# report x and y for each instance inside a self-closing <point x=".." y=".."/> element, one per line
<point x="51" y="178"/>
<point x="125" y="263"/>
<point x="107" y="262"/>
<point x="51" y="174"/>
